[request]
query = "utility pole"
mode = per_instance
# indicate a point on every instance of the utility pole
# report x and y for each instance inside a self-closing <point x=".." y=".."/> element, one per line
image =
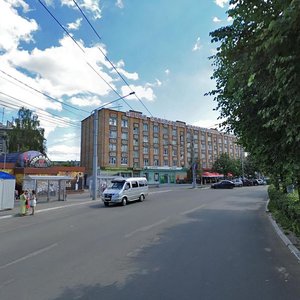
<point x="194" y="183"/>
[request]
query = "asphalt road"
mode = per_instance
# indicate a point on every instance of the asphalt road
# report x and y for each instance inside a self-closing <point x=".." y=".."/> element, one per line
<point x="178" y="244"/>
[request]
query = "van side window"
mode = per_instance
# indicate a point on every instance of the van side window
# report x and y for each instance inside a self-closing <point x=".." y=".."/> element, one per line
<point x="134" y="184"/>
<point x="127" y="186"/>
<point x="142" y="183"/>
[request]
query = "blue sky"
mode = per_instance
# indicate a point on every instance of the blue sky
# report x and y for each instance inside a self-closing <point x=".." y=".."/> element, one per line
<point x="160" y="47"/>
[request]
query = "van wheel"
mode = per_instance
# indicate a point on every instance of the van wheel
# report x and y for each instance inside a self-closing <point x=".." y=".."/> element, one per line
<point x="106" y="204"/>
<point x="124" y="201"/>
<point x="142" y="198"/>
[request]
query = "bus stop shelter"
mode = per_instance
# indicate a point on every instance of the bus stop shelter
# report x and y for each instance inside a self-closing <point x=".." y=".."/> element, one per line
<point x="51" y="187"/>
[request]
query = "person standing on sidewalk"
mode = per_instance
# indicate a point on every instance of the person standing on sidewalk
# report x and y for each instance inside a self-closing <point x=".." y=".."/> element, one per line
<point x="33" y="202"/>
<point x="23" y="204"/>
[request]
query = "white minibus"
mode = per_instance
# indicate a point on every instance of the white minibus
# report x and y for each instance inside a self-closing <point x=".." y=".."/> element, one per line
<point x="124" y="190"/>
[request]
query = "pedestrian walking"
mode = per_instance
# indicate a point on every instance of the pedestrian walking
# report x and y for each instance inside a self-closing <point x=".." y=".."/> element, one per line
<point x="33" y="202"/>
<point x="23" y="204"/>
<point x="27" y="203"/>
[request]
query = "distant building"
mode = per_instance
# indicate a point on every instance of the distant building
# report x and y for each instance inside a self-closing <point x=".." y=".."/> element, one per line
<point x="132" y="144"/>
<point x="24" y="164"/>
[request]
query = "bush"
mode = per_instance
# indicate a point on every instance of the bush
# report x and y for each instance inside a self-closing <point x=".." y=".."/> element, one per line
<point x="286" y="209"/>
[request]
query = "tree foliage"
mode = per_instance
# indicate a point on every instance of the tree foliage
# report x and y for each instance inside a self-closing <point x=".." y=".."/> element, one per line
<point x="26" y="133"/>
<point x="224" y="165"/>
<point x="257" y="73"/>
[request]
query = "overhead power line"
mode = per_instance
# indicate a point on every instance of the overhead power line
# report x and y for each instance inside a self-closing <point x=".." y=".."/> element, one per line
<point x="44" y="94"/>
<point x="77" y="44"/>
<point x="56" y="119"/>
<point x="105" y="56"/>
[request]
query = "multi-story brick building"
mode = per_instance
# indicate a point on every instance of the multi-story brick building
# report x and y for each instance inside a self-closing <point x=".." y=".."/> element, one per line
<point x="132" y="144"/>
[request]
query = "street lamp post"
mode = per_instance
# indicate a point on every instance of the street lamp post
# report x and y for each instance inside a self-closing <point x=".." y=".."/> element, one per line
<point x="95" y="145"/>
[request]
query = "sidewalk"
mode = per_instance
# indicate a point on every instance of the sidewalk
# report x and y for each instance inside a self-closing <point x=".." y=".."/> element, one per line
<point x="43" y="204"/>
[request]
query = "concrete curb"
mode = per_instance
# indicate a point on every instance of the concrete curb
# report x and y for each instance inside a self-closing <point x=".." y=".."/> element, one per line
<point x="281" y="234"/>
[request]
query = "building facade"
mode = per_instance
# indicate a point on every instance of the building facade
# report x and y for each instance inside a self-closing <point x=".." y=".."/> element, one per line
<point x="132" y="144"/>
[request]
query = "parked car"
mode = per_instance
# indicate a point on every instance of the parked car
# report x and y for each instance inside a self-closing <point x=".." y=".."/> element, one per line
<point x="258" y="181"/>
<point x="261" y="181"/>
<point x="247" y="182"/>
<point x="237" y="182"/>
<point x="224" y="184"/>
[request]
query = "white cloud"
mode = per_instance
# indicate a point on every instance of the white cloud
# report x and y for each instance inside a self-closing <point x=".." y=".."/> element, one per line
<point x="198" y="45"/>
<point x="86" y="101"/>
<point x="132" y="76"/>
<point x="64" y="153"/>
<point x="207" y="123"/>
<point x="75" y="25"/>
<point x="120" y="4"/>
<point x="92" y="6"/>
<point x="229" y="19"/>
<point x="167" y="71"/>
<point x="221" y="3"/>
<point x="14" y="28"/>
<point x="65" y="68"/>
<point x="143" y="92"/>
<point x="216" y="20"/>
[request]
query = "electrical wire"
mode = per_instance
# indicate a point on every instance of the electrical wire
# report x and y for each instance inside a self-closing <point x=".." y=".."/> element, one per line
<point x="42" y="93"/>
<point x="105" y="56"/>
<point x="56" y="117"/>
<point x="77" y="44"/>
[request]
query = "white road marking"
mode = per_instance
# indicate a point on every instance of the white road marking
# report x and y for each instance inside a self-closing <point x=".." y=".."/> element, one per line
<point x="160" y="192"/>
<point x="145" y="228"/>
<point x="7" y="282"/>
<point x="192" y="210"/>
<point x="35" y="253"/>
<point x="68" y="205"/>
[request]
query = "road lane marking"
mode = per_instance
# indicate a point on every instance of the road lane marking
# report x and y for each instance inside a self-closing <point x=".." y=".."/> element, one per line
<point x="145" y="228"/>
<point x="63" y="206"/>
<point x="35" y="253"/>
<point x="192" y="210"/>
<point x="7" y="282"/>
<point x="160" y="192"/>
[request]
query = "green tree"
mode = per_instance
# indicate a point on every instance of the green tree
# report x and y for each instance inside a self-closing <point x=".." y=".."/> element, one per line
<point x="26" y="133"/>
<point x="224" y="165"/>
<point x="257" y="70"/>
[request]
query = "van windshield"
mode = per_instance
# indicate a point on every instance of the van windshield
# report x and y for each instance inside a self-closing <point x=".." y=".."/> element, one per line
<point x="117" y="185"/>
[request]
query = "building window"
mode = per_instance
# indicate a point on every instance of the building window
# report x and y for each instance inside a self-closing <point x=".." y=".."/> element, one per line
<point x="146" y="162"/>
<point x="174" y="163"/>
<point x="155" y="128"/>
<point x="145" y="127"/>
<point x="113" y="134"/>
<point x="156" y="162"/>
<point x="124" y="161"/>
<point x="146" y="150"/>
<point x="174" y="132"/>
<point x="124" y="136"/>
<point x="124" y="148"/>
<point x="174" y="152"/>
<point x="112" y="160"/>
<point x="145" y="139"/>
<point x="135" y="142"/>
<point x="155" y="151"/>
<point x="136" y="154"/>
<point x="135" y="130"/>
<point x="113" y="121"/>
<point x="112" y="147"/>
<point x="165" y="130"/>
<point x="124" y="123"/>
<point x="155" y="140"/>
<point x="165" y="151"/>
<point x="166" y="163"/>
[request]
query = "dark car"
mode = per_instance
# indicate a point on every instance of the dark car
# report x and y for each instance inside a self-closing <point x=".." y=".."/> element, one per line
<point x="247" y="182"/>
<point x="224" y="184"/>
